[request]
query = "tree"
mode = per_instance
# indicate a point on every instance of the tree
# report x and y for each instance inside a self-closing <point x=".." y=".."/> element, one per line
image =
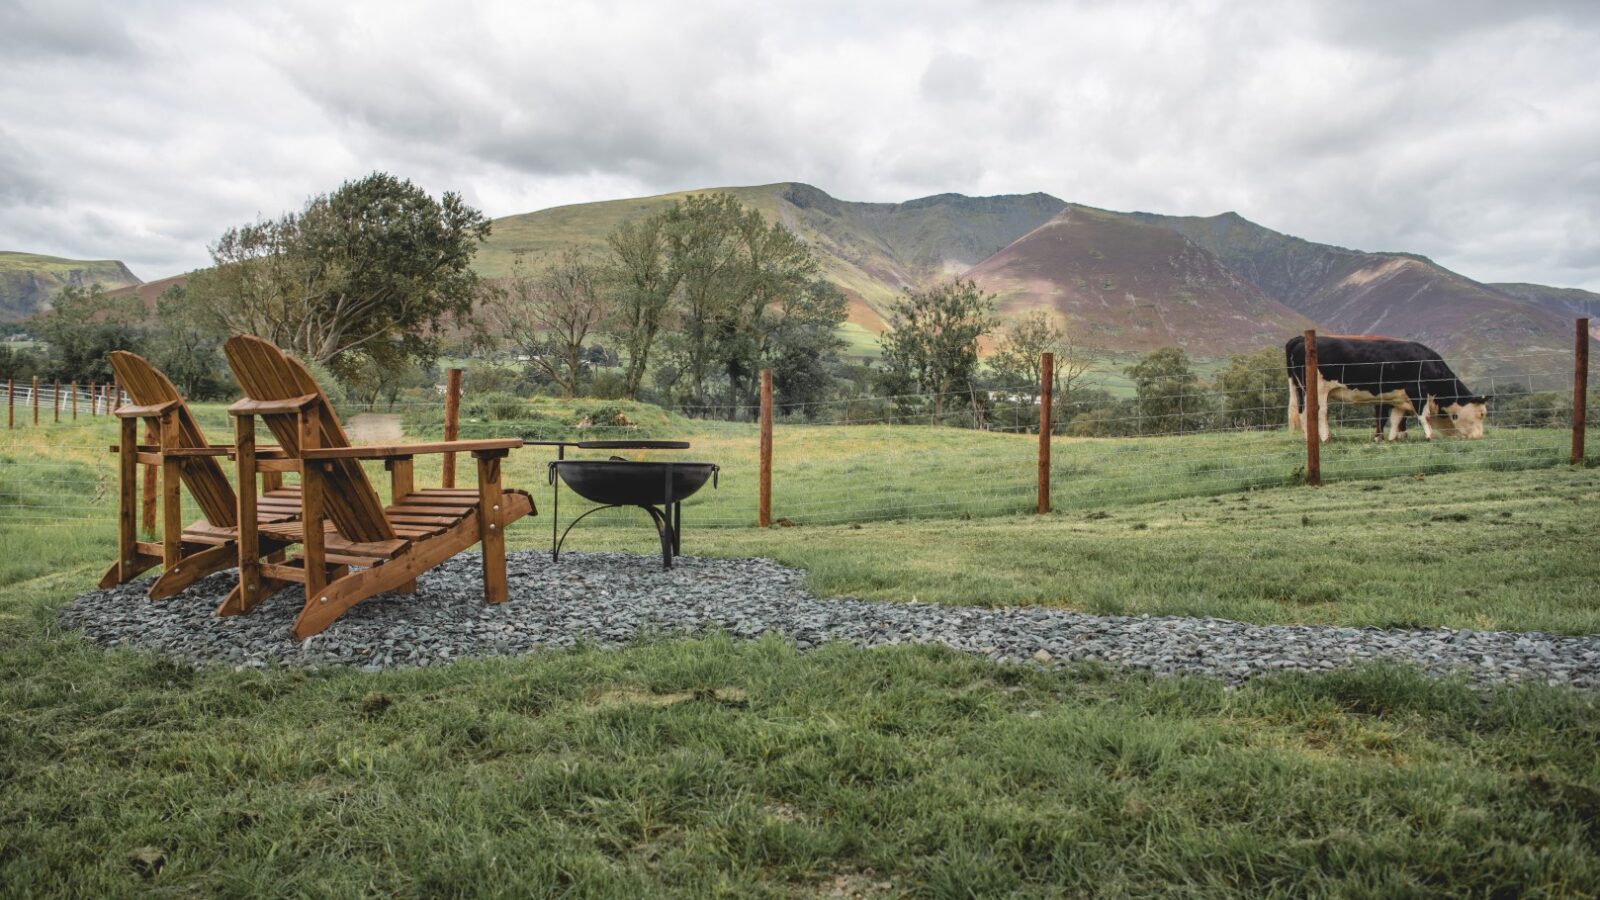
<point x="803" y="343"/>
<point x="1254" y="388"/>
<point x="708" y="261"/>
<point x="551" y="314"/>
<point x="933" y="341"/>
<point x="375" y="266"/>
<point x="368" y="381"/>
<point x="18" y="365"/>
<point x="786" y="319"/>
<point x="83" y="326"/>
<point x="724" y="293"/>
<point x="184" y="350"/>
<point x="642" y="284"/>
<point x="1018" y="363"/>
<point x="1169" y="398"/>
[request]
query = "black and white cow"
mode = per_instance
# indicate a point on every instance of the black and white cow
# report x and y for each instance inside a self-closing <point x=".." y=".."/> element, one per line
<point x="1405" y="376"/>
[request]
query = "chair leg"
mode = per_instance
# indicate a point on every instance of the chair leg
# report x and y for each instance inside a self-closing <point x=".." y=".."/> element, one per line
<point x="491" y="528"/>
<point x="235" y="604"/>
<point x="192" y="568"/>
<point x="358" y="586"/>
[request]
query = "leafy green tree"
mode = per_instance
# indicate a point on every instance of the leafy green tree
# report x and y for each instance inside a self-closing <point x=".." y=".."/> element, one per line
<point x="1169" y="395"/>
<point x="188" y="353"/>
<point x="641" y="283"/>
<point x="803" y="344"/>
<point x="933" y="337"/>
<point x="83" y="326"/>
<point x="722" y="293"/>
<point x="18" y="365"/>
<point x="707" y="256"/>
<point x="786" y="319"/>
<point x="376" y="266"/>
<point x="1254" y="389"/>
<point x="367" y="381"/>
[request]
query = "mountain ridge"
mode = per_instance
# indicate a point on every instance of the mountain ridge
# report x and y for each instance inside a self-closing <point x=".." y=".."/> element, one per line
<point x="28" y="281"/>
<point x="1215" y="284"/>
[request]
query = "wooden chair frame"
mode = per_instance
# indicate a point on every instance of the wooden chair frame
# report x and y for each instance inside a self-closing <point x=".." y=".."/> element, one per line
<point x="342" y="524"/>
<point x="179" y="452"/>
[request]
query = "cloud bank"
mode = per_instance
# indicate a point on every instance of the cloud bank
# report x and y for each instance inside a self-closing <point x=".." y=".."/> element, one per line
<point x="1465" y="130"/>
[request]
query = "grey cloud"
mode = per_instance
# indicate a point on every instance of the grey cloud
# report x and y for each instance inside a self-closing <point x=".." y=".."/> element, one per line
<point x="1463" y="130"/>
<point x="56" y="29"/>
<point x="20" y="183"/>
<point x="955" y="76"/>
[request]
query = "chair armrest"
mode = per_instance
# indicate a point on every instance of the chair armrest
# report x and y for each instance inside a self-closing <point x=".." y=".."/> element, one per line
<point x="154" y="409"/>
<point x="389" y="451"/>
<point x="248" y="407"/>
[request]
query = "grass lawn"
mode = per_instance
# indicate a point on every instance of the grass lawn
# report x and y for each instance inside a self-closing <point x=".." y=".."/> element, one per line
<point x="712" y="767"/>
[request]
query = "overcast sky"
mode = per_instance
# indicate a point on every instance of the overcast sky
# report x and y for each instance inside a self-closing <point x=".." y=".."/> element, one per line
<point x="1468" y="130"/>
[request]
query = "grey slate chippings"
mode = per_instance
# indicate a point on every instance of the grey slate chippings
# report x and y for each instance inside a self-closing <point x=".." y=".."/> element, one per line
<point x="610" y="599"/>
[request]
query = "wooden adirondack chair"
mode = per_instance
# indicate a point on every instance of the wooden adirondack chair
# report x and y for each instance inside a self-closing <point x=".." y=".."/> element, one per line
<point x="183" y="456"/>
<point x="343" y="522"/>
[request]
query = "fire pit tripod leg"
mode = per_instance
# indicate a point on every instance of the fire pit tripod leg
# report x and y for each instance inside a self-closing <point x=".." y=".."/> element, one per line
<point x="664" y="530"/>
<point x="668" y="535"/>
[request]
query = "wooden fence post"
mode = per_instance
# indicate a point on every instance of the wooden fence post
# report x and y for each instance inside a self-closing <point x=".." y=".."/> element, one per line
<point x="452" y="423"/>
<point x="1047" y="377"/>
<point x="1580" y="390"/>
<point x="94" y="399"/>
<point x="764" y="512"/>
<point x="35" y="396"/>
<point x="116" y="394"/>
<point x="11" y="403"/>
<point x="57" y="400"/>
<point x="1313" y="412"/>
<point x="74" y="401"/>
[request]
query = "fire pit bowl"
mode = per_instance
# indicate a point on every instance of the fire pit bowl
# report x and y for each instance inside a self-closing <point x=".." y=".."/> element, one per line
<point x="658" y="488"/>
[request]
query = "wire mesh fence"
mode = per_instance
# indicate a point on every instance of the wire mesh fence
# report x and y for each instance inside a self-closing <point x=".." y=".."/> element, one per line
<point x="871" y="457"/>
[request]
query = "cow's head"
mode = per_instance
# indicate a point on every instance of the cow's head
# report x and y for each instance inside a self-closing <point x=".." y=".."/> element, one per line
<point x="1461" y="416"/>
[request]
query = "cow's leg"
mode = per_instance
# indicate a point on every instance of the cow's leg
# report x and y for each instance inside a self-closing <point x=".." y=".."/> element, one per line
<point x="1422" y="416"/>
<point x="1377" y="421"/>
<point x="1324" y="390"/>
<point x="1294" y="407"/>
<point x="1397" y="418"/>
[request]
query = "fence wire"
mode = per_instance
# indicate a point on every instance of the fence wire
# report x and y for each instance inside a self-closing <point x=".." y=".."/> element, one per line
<point x="871" y="458"/>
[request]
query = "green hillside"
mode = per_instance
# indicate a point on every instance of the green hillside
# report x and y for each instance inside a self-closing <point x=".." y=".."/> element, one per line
<point x="29" y="280"/>
<point x="870" y="250"/>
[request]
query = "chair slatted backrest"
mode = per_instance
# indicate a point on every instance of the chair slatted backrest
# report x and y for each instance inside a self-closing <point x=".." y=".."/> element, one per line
<point x="203" y="475"/>
<point x="265" y="372"/>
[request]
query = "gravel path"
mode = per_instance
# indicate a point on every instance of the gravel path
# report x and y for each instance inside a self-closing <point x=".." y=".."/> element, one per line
<point x="608" y="599"/>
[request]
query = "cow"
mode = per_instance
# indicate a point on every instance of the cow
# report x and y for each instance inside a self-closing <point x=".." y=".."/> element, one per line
<point x="1404" y="376"/>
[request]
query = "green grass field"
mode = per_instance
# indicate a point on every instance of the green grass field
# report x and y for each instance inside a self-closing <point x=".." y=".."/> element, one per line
<point x="713" y="767"/>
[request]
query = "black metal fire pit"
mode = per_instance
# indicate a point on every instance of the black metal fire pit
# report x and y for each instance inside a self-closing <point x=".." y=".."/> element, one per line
<point x="658" y="488"/>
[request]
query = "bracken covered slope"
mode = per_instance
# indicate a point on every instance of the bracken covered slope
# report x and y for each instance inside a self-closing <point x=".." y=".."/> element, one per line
<point x="1481" y="329"/>
<point x="1122" y="284"/>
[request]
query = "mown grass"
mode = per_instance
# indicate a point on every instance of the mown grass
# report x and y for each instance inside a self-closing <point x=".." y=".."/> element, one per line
<point x="713" y="767"/>
<point x="716" y="768"/>
<point x="1519" y="552"/>
<point x="1190" y="533"/>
